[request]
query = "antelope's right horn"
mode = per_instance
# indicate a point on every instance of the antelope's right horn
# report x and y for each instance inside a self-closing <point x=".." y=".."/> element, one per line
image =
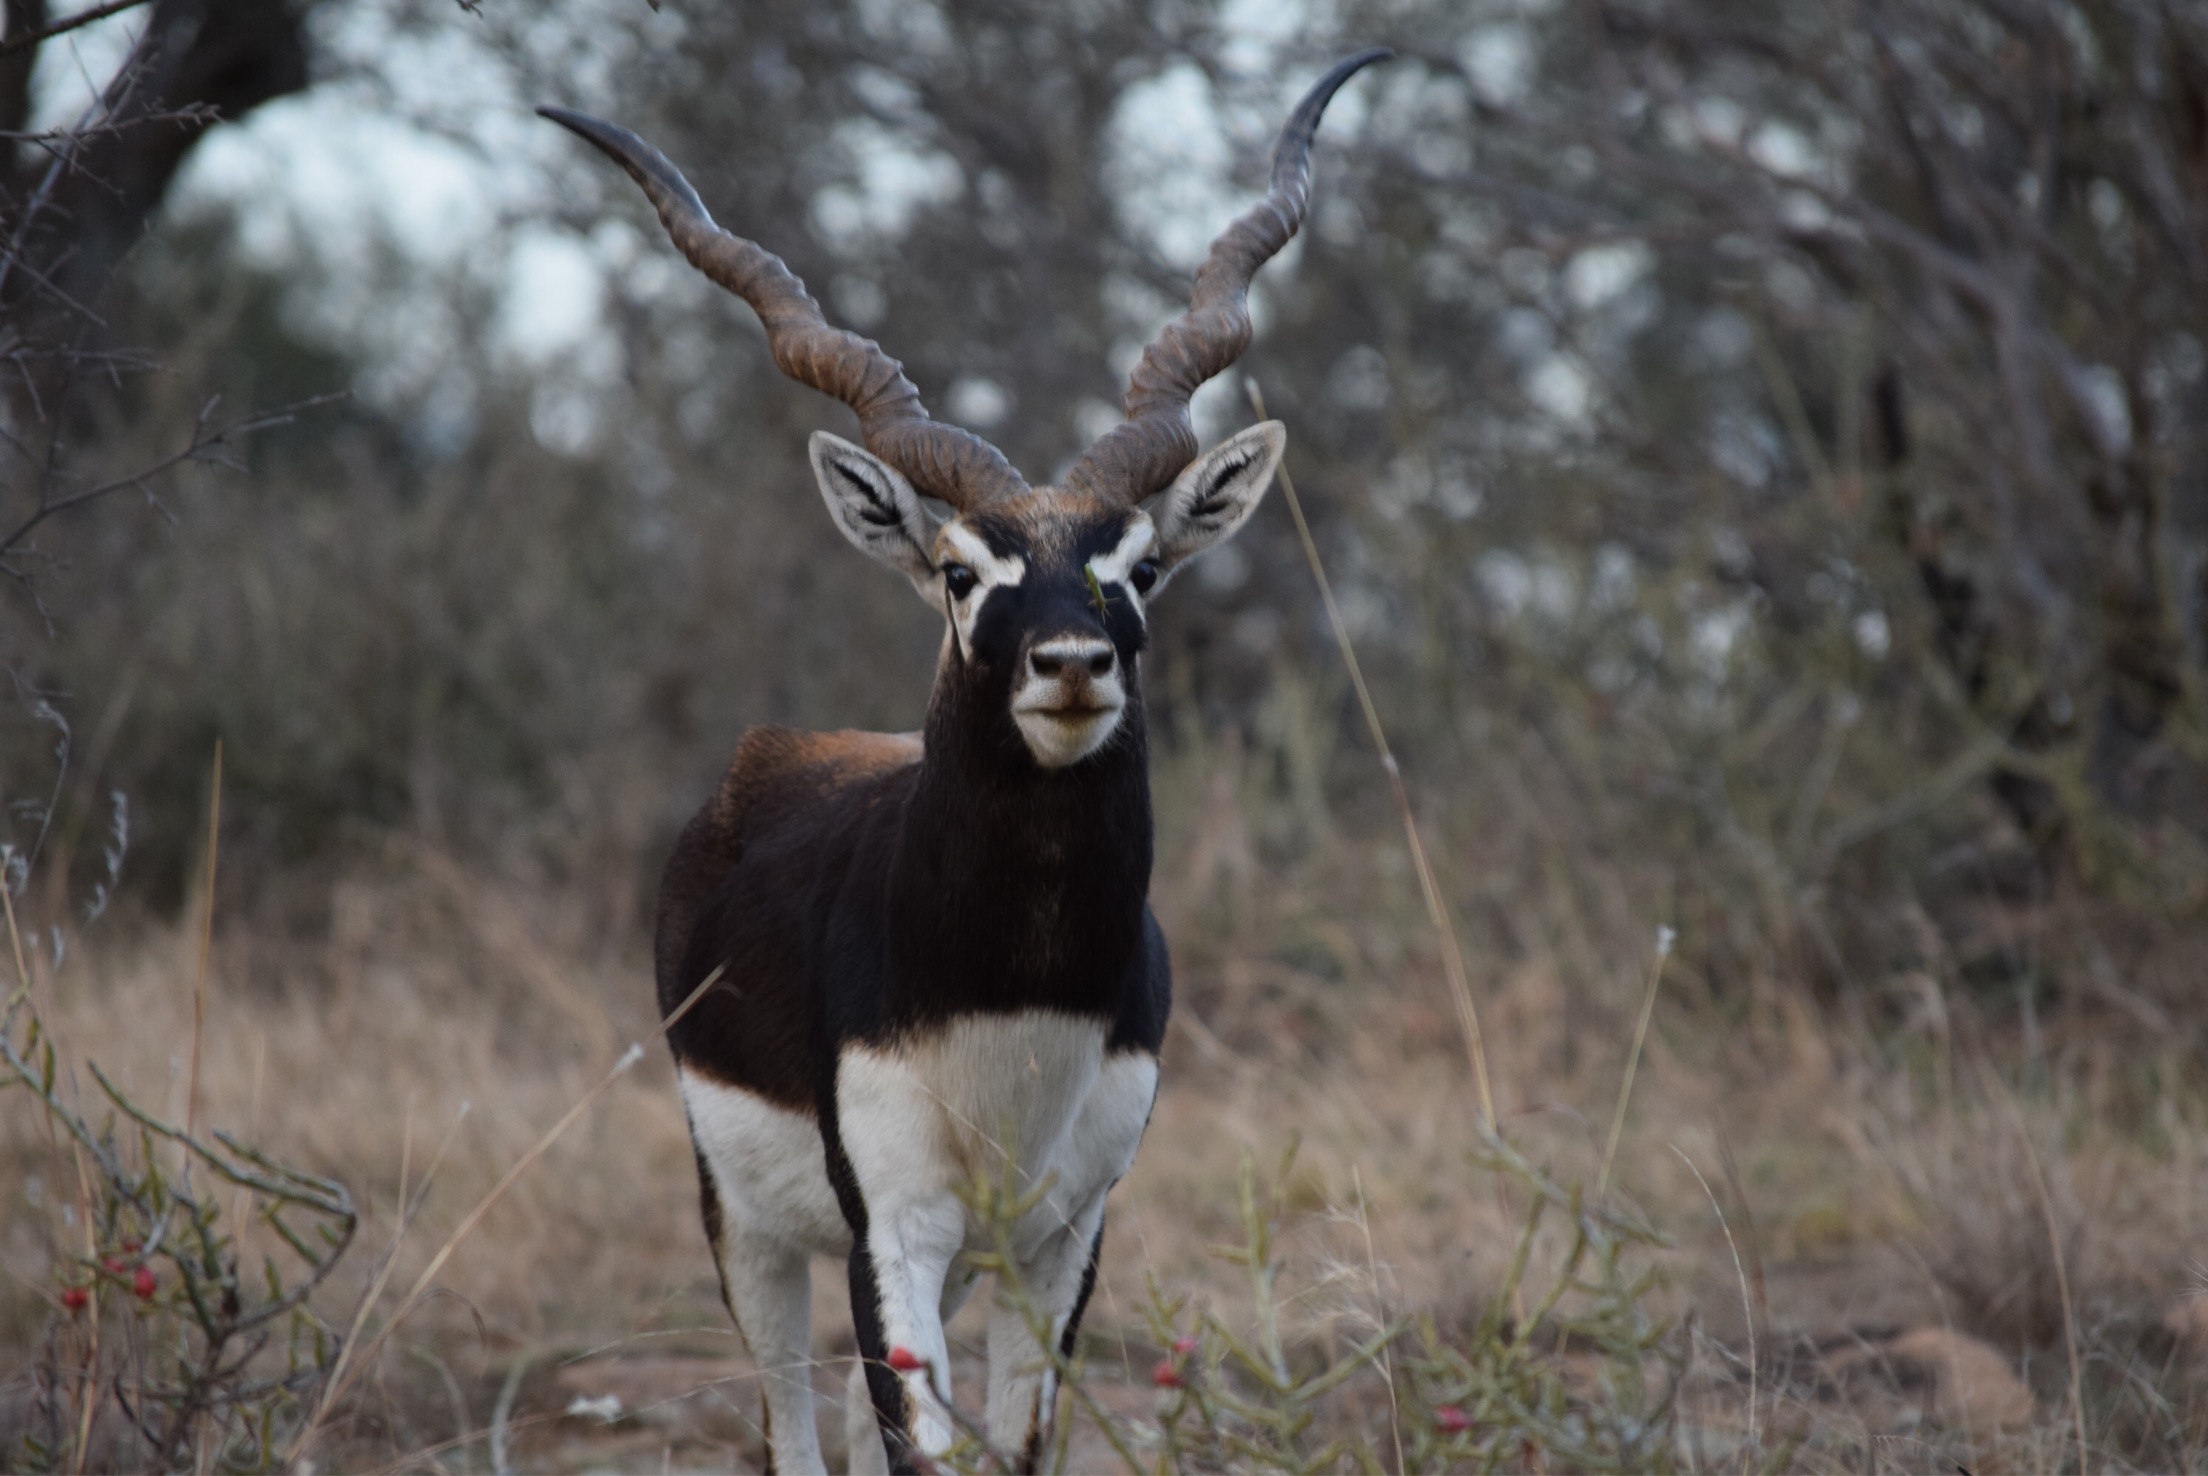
<point x="1149" y="450"/>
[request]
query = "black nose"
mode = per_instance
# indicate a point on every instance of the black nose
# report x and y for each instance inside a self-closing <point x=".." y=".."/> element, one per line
<point x="1054" y="659"/>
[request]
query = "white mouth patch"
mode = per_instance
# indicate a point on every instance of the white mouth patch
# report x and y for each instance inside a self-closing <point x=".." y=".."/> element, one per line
<point x="1056" y="739"/>
<point x="1067" y="710"/>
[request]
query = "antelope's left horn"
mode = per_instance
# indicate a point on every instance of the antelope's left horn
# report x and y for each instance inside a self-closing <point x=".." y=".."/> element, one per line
<point x="939" y="460"/>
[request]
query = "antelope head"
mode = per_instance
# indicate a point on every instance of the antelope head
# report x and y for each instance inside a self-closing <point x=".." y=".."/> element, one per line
<point x="1043" y="589"/>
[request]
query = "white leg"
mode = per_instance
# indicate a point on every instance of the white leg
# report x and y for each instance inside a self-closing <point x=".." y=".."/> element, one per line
<point x="910" y="1247"/>
<point x="1023" y="1382"/>
<point x="770" y="1294"/>
<point x="892" y="1131"/>
<point x="862" y="1434"/>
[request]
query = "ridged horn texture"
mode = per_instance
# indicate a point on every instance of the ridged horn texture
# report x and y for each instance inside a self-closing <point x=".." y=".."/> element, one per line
<point x="941" y="461"/>
<point x="1145" y="454"/>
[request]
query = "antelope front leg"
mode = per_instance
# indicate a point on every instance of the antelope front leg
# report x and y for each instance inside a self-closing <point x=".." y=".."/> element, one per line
<point x="907" y="1224"/>
<point x="1054" y="1282"/>
<point x="897" y="1276"/>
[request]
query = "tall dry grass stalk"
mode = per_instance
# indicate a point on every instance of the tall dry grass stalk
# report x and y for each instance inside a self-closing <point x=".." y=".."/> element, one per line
<point x="1437" y="910"/>
<point x="206" y="939"/>
<point x="1664" y="940"/>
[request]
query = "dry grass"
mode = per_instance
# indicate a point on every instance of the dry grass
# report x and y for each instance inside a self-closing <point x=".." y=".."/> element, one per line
<point x="1869" y="1192"/>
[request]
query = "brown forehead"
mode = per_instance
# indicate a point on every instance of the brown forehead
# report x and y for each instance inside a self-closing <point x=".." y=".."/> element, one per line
<point x="1049" y="524"/>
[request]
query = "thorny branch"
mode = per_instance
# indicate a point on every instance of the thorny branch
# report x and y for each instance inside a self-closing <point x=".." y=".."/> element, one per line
<point x="210" y="442"/>
<point x="30" y="39"/>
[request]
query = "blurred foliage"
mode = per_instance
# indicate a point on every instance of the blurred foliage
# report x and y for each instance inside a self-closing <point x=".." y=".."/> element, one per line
<point x="1759" y="446"/>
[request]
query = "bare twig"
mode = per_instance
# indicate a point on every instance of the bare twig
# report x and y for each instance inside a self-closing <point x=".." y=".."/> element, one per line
<point x="63" y="27"/>
<point x="192" y="115"/>
<point x="207" y="442"/>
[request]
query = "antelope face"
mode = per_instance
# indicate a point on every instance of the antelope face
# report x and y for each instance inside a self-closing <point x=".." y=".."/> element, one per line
<point x="1044" y="598"/>
<point x="1043" y="589"/>
<point x="1044" y="593"/>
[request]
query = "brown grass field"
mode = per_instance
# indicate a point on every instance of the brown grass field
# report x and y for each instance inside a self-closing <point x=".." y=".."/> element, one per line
<point x="1861" y="1260"/>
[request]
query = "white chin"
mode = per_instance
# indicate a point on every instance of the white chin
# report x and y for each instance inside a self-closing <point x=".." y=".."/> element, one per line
<point x="1057" y="740"/>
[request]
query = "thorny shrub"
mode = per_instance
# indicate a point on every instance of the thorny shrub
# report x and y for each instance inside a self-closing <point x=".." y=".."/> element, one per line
<point x="1567" y="1370"/>
<point x="183" y="1333"/>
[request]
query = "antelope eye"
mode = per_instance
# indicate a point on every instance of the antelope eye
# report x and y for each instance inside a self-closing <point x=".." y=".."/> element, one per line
<point x="959" y="580"/>
<point x="1144" y="576"/>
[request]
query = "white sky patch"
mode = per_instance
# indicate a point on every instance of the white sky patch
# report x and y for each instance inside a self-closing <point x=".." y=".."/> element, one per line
<point x="1561" y="387"/>
<point x="2102" y="389"/>
<point x="1499" y="59"/>
<point x="319" y="174"/>
<point x="895" y="178"/>
<point x="73" y="69"/>
<point x="978" y="402"/>
<point x="1783" y="150"/>
<point x="1873" y="637"/>
<point x="1171" y="164"/>
<point x="1256" y="31"/>
<point x="422" y="163"/>
<point x="1506" y="581"/>
<point x="1218" y="409"/>
<point x="1600" y="273"/>
<point x="555" y="297"/>
<point x="1803" y="211"/>
<point x="1713" y="634"/>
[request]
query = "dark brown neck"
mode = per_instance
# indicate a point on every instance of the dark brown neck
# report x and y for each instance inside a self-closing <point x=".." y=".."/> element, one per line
<point x="1013" y="886"/>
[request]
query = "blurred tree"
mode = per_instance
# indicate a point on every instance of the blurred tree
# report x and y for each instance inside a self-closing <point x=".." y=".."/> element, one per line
<point x="1763" y="441"/>
<point x="1963" y="244"/>
<point x="75" y="198"/>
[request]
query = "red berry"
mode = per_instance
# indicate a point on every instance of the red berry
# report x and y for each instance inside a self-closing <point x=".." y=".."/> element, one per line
<point x="1185" y="1346"/>
<point x="145" y="1283"/>
<point x="1166" y="1375"/>
<point x="1452" y="1420"/>
<point x="904" y="1360"/>
<point x="75" y="1298"/>
<point x="131" y="1246"/>
<point x="115" y="1264"/>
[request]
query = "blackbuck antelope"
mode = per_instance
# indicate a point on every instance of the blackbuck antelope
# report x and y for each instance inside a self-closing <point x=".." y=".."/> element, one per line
<point x="938" y="966"/>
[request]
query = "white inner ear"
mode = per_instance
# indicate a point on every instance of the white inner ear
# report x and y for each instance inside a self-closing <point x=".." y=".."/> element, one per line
<point x="876" y="508"/>
<point x="1217" y="493"/>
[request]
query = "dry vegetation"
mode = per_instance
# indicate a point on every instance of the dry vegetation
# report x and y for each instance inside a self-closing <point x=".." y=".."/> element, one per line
<point x="1858" y="1267"/>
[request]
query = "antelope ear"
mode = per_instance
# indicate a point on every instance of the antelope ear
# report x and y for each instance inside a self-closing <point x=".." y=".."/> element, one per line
<point x="875" y="507"/>
<point x="1216" y="494"/>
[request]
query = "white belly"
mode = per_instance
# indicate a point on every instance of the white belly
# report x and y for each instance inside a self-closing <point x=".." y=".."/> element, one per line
<point x="1018" y="1100"/>
<point x="1022" y="1101"/>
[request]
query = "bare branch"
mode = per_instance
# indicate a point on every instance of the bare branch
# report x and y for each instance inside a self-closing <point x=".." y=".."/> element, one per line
<point x="204" y="445"/>
<point x="63" y="27"/>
